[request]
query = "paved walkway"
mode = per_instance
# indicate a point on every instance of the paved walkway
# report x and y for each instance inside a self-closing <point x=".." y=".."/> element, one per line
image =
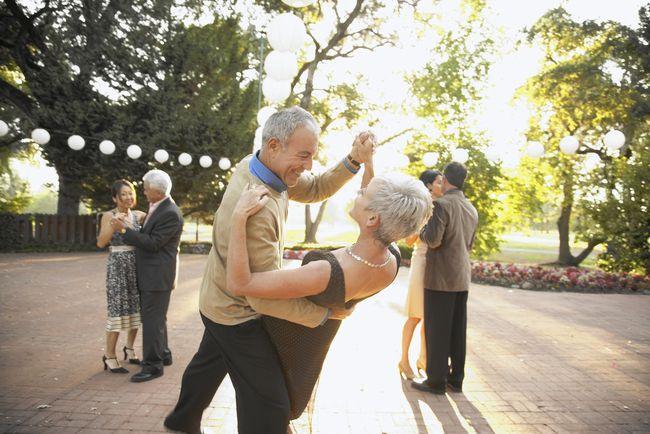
<point x="537" y="362"/>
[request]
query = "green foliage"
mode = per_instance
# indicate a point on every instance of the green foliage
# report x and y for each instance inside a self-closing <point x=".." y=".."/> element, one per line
<point x="447" y="90"/>
<point x="624" y="217"/>
<point x="171" y="86"/>
<point x="594" y="78"/>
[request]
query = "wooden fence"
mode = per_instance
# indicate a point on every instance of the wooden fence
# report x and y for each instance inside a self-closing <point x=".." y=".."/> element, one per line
<point x="56" y="229"/>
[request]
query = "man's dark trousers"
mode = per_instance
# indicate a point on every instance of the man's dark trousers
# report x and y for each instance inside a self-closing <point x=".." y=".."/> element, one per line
<point x="244" y="352"/>
<point x="153" y="312"/>
<point x="445" y="325"/>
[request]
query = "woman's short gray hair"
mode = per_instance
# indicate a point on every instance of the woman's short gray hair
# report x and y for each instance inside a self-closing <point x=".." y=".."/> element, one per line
<point x="404" y="205"/>
<point x="283" y="123"/>
<point x="159" y="181"/>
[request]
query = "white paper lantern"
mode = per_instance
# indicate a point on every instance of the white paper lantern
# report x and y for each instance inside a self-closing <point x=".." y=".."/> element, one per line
<point x="161" y="155"/>
<point x="534" y="149"/>
<point x="281" y="65"/>
<point x="205" y="161"/>
<point x="107" y="147"/>
<point x="402" y="161"/>
<point x="185" y="159"/>
<point x="298" y="3"/>
<point x="224" y="163"/>
<point x="264" y="114"/>
<point x="430" y="159"/>
<point x="40" y="136"/>
<point x="276" y="91"/>
<point x="286" y="32"/>
<point x="460" y="155"/>
<point x="134" y="151"/>
<point x="4" y="128"/>
<point x="614" y="139"/>
<point x="493" y="154"/>
<point x="569" y="145"/>
<point x="76" y="143"/>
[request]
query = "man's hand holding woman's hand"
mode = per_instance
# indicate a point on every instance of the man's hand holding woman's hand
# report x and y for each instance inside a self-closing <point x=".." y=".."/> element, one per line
<point x="363" y="147"/>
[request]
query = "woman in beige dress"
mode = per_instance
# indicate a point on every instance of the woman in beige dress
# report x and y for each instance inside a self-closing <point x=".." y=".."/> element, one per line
<point x="415" y="296"/>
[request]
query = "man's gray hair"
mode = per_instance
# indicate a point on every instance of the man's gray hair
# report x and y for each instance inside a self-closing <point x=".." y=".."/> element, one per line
<point x="283" y="123"/>
<point x="404" y="205"/>
<point x="159" y="181"/>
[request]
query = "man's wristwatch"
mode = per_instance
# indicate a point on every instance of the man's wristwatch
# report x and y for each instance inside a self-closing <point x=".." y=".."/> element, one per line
<point x="353" y="161"/>
<point x="123" y="230"/>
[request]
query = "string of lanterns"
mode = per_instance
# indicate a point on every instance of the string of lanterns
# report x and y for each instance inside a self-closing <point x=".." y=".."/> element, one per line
<point x="286" y="34"/>
<point x="614" y="139"/>
<point x="76" y="142"/>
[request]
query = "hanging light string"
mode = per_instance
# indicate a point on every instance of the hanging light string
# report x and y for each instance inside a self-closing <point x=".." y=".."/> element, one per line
<point x="77" y="142"/>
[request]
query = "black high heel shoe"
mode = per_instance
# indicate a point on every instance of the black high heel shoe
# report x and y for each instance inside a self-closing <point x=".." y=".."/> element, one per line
<point x="132" y="360"/>
<point x="118" y="370"/>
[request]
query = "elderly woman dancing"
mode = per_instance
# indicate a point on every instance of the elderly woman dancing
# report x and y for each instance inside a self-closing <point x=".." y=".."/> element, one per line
<point x="387" y="208"/>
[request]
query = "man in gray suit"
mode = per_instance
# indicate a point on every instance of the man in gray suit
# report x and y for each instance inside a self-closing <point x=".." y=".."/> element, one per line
<point x="157" y="246"/>
<point x="449" y="234"/>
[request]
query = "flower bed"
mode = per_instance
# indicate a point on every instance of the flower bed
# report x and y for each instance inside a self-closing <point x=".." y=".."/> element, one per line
<point x="538" y="278"/>
<point x="556" y="279"/>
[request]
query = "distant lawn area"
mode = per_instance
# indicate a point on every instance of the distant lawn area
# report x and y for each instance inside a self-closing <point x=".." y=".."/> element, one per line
<point x="522" y="248"/>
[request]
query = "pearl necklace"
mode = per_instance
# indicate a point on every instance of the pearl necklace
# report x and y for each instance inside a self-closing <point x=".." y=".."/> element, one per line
<point x="369" y="264"/>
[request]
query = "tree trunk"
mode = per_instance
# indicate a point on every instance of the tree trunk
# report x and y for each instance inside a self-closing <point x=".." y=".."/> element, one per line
<point x="564" y="223"/>
<point x="311" y="227"/>
<point x="69" y="195"/>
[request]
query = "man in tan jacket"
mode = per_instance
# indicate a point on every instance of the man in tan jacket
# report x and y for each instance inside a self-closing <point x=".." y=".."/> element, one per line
<point x="234" y="341"/>
<point x="449" y="234"/>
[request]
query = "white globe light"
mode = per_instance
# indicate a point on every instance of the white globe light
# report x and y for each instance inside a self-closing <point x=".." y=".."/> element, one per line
<point x="614" y="139"/>
<point x="298" y="3"/>
<point x="430" y="159"/>
<point x="205" y="161"/>
<point x="161" y="155"/>
<point x="402" y="160"/>
<point x="264" y="114"/>
<point x="224" y="163"/>
<point x="492" y="154"/>
<point x="286" y="32"/>
<point x="107" y="147"/>
<point x="134" y="151"/>
<point x="460" y="155"/>
<point x="40" y="136"/>
<point x="281" y="65"/>
<point x="569" y="145"/>
<point x="4" y="128"/>
<point x="535" y="150"/>
<point x="76" y="143"/>
<point x="185" y="159"/>
<point x="276" y="91"/>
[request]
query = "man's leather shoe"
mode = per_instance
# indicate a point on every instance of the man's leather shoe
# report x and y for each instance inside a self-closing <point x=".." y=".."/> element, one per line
<point x="169" y="424"/>
<point x="454" y="387"/>
<point x="423" y="386"/>
<point x="147" y="374"/>
<point x="167" y="361"/>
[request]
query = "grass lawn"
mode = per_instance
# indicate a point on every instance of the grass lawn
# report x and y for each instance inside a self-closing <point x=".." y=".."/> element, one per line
<point x="522" y="248"/>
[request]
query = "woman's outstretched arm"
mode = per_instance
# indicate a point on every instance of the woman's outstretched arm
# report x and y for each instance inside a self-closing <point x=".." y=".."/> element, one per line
<point x="299" y="282"/>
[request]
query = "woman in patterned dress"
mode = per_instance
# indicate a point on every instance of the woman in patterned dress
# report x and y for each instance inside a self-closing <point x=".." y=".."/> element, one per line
<point x="415" y="295"/>
<point x="122" y="294"/>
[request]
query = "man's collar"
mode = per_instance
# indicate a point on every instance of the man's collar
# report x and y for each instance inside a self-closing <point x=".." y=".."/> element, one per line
<point x="454" y="191"/>
<point x="265" y="175"/>
<point x="160" y="201"/>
